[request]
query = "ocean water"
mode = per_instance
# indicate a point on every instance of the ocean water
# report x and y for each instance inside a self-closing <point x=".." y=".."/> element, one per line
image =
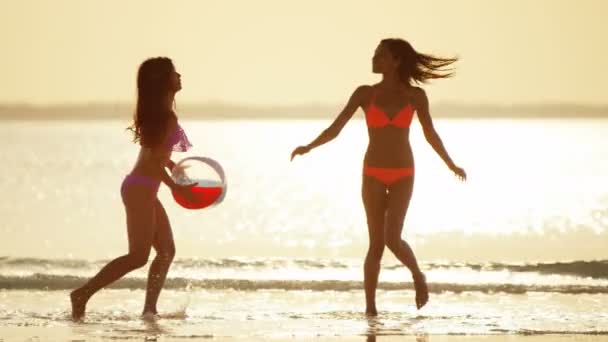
<point x="520" y="248"/>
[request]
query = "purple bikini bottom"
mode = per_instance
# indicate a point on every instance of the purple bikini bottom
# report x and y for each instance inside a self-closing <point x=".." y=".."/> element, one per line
<point x="139" y="184"/>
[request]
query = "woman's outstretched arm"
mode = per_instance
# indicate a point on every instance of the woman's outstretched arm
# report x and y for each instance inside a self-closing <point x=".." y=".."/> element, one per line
<point x="334" y="129"/>
<point x="430" y="134"/>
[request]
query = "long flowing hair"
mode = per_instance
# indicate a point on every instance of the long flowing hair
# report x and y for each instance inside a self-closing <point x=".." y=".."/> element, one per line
<point x="151" y="117"/>
<point x="416" y="67"/>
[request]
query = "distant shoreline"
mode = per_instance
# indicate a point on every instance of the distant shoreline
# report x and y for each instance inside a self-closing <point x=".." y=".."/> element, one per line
<point x="219" y="111"/>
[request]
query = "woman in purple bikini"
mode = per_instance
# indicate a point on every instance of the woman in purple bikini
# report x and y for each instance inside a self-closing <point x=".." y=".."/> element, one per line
<point x="156" y="129"/>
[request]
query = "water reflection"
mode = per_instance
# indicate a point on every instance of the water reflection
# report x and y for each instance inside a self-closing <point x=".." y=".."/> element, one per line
<point x="376" y="328"/>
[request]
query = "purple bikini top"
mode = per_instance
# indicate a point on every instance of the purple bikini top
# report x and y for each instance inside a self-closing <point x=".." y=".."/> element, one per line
<point x="178" y="141"/>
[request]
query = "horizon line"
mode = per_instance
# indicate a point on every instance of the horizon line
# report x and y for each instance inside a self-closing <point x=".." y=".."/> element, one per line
<point x="297" y="105"/>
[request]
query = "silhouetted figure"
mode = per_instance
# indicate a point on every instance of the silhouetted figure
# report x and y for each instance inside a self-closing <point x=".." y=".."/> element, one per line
<point x="156" y="129"/>
<point x="388" y="167"/>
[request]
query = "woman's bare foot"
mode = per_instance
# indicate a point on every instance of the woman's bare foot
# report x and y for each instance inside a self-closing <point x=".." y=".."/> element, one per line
<point x="422" y="291"/>
<point x="149" y="310"/>
<point x="79" y="303"/>
<point x="149" y="316"/>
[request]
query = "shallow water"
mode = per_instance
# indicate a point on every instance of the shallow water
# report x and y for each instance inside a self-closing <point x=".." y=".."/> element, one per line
<point x="518" y="249"/>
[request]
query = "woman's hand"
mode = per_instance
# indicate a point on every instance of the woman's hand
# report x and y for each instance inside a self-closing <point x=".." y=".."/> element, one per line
<point x="459" y="172"/>
<point x="170" y="164"/>
<point x="299" y="151"/>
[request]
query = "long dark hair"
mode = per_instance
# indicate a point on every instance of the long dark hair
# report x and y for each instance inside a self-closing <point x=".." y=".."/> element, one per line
<point x="416" y="67"/>
<point x="151" y="115"/>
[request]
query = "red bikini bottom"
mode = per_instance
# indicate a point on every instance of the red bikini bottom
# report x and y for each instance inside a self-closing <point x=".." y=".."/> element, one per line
<point x="388" y="175"/>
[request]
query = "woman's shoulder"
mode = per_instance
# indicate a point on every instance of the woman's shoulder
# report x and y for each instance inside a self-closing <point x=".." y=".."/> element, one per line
<point x="417" y="92"/>
<point x="364" y="91"/>
<point x="361" y="95"/>
<point x="417" y="96"/>
<point x="366" y="88"/>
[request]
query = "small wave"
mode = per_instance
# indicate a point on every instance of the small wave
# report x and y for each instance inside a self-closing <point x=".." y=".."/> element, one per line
<point x="232" y="263"/>
<point x="63" y="282"/>
<point x="552" y="332"/>
<point x="592" y="269"/>
<point x="597" y="269"/>
<point x="49" y="263"/>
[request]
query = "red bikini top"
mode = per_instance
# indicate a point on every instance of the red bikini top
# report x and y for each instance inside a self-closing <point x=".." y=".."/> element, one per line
<point x="376" y="118"/>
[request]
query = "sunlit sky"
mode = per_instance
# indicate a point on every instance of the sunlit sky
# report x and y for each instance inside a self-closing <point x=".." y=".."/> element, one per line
<point x="301" y="52"/>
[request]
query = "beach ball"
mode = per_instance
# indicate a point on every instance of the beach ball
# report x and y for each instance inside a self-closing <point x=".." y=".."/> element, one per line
<point x="208" y="178"/>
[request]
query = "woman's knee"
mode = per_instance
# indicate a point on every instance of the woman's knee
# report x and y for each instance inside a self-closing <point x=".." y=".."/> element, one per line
<point x="166" y="255"/>
<point x="393" y="244"/>
<point x="375" y="251"/>
<point x="138" y="260"/>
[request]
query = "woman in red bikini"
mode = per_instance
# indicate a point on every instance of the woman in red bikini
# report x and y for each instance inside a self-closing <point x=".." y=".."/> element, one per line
<point x="388" y="166"/>
<point x="156" y="129"/>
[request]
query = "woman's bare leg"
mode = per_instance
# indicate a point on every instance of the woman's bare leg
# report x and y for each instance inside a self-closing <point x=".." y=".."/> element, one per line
<point x="165" y="251"/>
<point x="399" y="196"/>
<point x="374" y="201"/>
<point x="140" y="230"/>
